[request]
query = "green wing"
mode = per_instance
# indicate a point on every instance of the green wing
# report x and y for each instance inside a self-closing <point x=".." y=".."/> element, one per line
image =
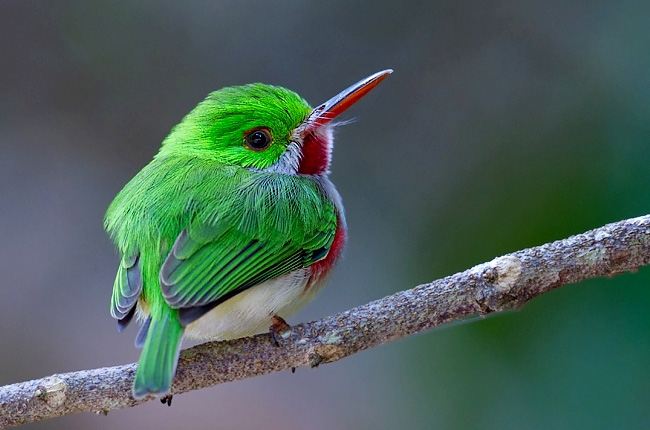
<point x="274" y="227"/>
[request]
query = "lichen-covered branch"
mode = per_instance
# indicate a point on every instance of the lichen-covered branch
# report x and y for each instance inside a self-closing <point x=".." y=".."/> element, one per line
<point x="504" y="283"/>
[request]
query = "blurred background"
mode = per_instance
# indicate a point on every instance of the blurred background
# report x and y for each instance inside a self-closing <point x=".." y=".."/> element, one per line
<point x="506" y="124"/>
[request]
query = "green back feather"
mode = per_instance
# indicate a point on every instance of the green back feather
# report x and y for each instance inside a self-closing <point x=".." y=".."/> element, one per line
<point x="224" y="209"/>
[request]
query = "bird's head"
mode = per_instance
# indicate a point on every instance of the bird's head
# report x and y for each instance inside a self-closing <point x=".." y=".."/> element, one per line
<point x="264" y="127"/>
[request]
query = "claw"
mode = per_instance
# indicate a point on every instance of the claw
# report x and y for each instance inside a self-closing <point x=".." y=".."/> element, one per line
<point x="167" y="399"/>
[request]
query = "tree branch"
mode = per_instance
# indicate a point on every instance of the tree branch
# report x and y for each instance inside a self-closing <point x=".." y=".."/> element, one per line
<point x="506" y="282"/>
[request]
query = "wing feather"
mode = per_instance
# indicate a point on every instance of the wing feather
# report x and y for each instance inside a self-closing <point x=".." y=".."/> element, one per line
<point x="266" y="232"/>
<point x="126" y="289"/>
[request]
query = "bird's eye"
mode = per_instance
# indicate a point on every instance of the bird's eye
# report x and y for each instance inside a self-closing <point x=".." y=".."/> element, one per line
<point x="258" y="139"/>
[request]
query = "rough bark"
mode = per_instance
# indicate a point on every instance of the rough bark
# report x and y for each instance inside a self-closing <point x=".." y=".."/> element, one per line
<point x="504" y="283"/>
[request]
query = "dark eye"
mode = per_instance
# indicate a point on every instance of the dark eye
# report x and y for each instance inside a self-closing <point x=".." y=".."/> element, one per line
<point x="258" y="139"/>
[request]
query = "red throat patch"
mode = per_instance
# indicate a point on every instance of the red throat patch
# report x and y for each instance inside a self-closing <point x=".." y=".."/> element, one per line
<point x="315" y="154"/>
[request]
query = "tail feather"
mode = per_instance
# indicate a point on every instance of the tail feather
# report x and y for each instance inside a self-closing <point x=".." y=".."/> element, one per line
<point x="141" y="337"/>
<point x="159" y="356"/>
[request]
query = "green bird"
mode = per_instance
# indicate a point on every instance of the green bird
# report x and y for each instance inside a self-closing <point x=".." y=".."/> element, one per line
<point x="233" y="223"/>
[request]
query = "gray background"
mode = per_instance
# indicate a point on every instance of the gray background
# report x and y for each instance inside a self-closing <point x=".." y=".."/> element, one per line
<point x="505" y="125"/>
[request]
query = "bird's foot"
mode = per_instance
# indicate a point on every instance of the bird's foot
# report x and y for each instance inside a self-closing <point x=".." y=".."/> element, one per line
<point x="167" y="399"/>
<point x="278" y="327"/>
<point x="276" y="330"/>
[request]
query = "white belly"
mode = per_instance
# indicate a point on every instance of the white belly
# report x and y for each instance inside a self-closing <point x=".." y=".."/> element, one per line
<point x="250" y="311"/>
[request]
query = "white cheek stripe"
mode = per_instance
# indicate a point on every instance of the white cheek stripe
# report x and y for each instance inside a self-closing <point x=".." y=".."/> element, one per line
<point x="289" y="162"/>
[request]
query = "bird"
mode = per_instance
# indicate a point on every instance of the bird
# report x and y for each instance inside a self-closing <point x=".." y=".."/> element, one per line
<point x="233" y="225"/>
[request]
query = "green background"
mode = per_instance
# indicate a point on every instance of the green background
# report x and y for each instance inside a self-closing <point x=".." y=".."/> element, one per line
<point x="506" y="124"/>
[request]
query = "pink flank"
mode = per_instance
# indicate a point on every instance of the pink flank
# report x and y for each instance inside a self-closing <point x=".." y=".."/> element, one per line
<point x="320" y="268"/>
